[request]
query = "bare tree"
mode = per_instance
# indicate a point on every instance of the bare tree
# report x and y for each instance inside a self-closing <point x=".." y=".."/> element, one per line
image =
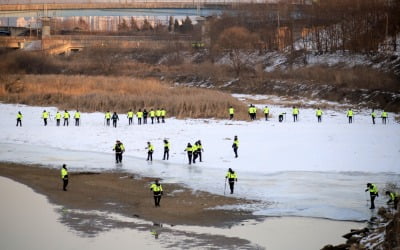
<point x="238" y="42"/>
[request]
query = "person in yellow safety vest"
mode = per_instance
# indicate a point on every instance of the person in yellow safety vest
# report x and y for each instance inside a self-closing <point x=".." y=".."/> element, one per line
<point x="195" y="152"/>
<point x="77" y="117"/>
<point x="254" y="112"/>
<point x="199" y="150"/>
<point x="350" y="114"/>
<point x="45" y="116"/>
<point x="157" y="192"/>
<point x="250" y="111"/>
<point x="266" y="112"/>
<point x="150" y="150"/>
<point x="64" y="176"/>
<point x="119" y="150"/>
<point x="107" y="116"/>
<point x="152" y="115"/>
<point x="19" y="119"/>
<point x="189" y="150"/>
<point x="231" y="112"/>
<point x="384" y="116"/>
<point x="235" y="146"/>
<point x="158" y="114"/>
<point x="139" y="115"/>
<point x="373" y="192"/>
<point x="130" y="117"/>
<point x="232" y="178"/>
<point x="295" y="113"/>
<point x="58" y="118"/>
<point x="393" y="198"/>
<point x="319" y="113"/>
<point x="166" y="149"/>
<point x="163" y="114"/>
<point x="373" y="116"/>
<point x="66" y="118"/>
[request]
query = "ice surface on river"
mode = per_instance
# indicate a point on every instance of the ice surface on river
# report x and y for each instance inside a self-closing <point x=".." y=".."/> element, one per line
<point x="303" y="168"/>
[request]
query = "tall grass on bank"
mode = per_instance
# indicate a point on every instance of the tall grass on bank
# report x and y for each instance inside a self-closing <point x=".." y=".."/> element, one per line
<point x="119" y="94"/>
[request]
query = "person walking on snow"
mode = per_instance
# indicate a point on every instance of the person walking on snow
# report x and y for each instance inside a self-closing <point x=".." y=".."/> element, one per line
<point x="107" y="116"/>
<point x="266" y="112"/>
<point x="129" y="115"/>
<point x="19" y="119"/>
<point x="163" y="113"/>
<point x="158" y="115"/>
<point x="157" y="192"/>
<point x="295" y="112"/>
<point x="232" y="178"/>
<point x="319" y="113"/>
<point x="119" y="150"/>
<point x="166" y="149"/>
<point x="64" y="177"/>
<point x="373" y="116"/>
<point x="231" y="111"/>
<point x="150" y="150"/>
<point x="189" y="150"/>
<point x="350" y="114"/>
<point x="152" y="115"/>
<point x="58" y="118"/>
<point x="115" y="118"/>
<point x="235" y="146"/>
<point x="199" y="150"/>
<point x="66" y="118"/>
<point x="77" y="117"/>
<point x="139" y="116"/>
<point x="384" y="116"/>
<point x="373" y="193"/>
<point x="45" y="116"/>
<point x="195" y="152"/>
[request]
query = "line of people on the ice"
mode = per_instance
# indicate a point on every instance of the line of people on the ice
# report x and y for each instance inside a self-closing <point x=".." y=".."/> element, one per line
<point x="156" y="187"/>
<point x="153" y="116"/>
<point x="231" y="177"/>
<point x="252" y="112"/>
<point x="58" y="116"/>
<point x="193" y="152"/>
<point x="158" y="116"/>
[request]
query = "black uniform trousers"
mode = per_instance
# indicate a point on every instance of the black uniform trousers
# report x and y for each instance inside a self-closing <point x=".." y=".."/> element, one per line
<point x="190" y="154"/>
<point x="157" y="198"/>
<point x="65" y="183"/>
<point x="235" y="149"/>
<point x="231" y="184"/>
<point x="118" y="157"/>
<point x="150" y="155"/>
<point x="373" y="196"/>
<point x="166" y="154"/>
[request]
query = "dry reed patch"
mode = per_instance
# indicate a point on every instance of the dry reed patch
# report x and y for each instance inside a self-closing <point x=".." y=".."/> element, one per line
<point x="100" y="93"/>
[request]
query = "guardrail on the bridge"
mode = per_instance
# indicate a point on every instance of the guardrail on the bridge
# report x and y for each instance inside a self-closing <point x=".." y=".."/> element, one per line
<point x="55" y="5"/>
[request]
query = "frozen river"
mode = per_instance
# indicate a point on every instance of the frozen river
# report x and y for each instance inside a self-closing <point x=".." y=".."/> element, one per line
<point x="294" y="169"/>
<point x="332" y="195"/>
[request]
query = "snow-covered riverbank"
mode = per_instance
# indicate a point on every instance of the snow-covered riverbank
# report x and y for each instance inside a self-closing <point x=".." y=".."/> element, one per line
<point x="303" y="168"/>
